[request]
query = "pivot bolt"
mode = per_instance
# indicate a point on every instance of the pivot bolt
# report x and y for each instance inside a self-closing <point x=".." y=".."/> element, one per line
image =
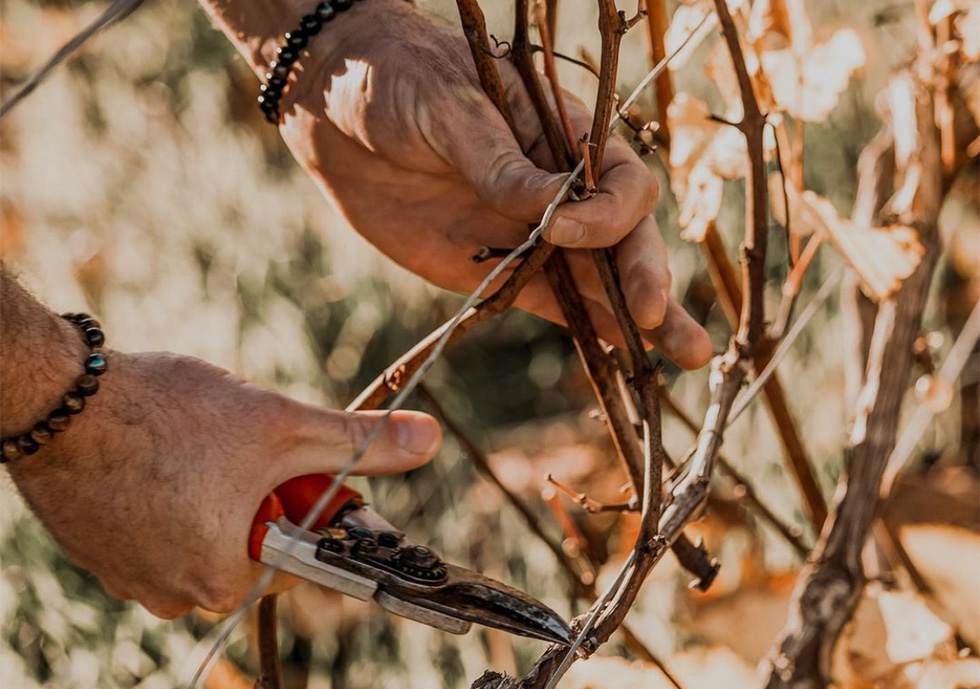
<point x="420" y="556"/>
<point x="331" y="545"/>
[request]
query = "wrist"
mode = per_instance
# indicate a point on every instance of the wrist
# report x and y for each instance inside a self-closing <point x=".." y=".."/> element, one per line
<point x="39" y="363"/>
<point x="256" y="27"/>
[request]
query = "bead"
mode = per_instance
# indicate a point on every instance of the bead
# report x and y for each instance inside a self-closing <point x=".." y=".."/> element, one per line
<point x="10" y="450"/>
<point x="325" y="11"/>
<point x="41" y="433"/>
<point x="58" y="420"/>
<point x="27" y="445"/>
<point x="286" y="55"/>
<point x="274" y="82"/>
<point x="296" y="39"/>
<point x="88" y="322"/>
<point x="272" y="117"/>
<point x="87" y="385"/>
<point x="268" y="103"/>
<point x="342" y="5"/>
<point x="279" y="70"/>
<point x="96" y="363"/>
<point x="311" y="24"/>
<point x="73" y="402"/>
<point x="94" y="336"/>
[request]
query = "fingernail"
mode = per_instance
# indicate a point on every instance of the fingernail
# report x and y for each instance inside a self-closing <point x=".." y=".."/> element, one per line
<point x="566" y="232"/>
<point x="417" y="437"/>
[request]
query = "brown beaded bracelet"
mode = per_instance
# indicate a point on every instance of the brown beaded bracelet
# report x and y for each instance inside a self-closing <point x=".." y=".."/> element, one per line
<point x="87" y="384"/>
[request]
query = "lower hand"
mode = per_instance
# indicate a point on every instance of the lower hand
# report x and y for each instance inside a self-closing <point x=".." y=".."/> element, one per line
<point x="154" y="487"/>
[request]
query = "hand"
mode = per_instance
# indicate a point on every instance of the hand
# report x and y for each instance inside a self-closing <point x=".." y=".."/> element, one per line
<point x="387" y="115"/>
<point x="154" y="486"/>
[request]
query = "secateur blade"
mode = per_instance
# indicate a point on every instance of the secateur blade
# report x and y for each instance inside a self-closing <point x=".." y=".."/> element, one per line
<point x="414" y="582"/>
<point x="354" y="550"/>
<point x="473" y="597"/>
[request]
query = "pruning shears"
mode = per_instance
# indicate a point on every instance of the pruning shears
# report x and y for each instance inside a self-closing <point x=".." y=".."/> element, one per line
<point x="352" y="549"/>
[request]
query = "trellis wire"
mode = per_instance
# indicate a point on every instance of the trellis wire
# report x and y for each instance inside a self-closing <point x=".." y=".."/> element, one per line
<point x="113" y="13"/>
<point x="786" y="343"/>
<point x="265" y="579"/>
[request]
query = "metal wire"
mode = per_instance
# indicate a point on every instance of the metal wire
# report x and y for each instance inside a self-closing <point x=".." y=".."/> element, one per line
<point x="265" y="579"/>
<point x="113" y="13"/>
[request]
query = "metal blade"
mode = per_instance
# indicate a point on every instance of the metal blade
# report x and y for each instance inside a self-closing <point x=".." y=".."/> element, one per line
<point x="430" y="589"/>
<point x="470" y="596"/>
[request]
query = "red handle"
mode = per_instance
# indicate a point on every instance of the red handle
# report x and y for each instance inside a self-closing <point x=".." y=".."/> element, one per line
<point x="294" y="499"/>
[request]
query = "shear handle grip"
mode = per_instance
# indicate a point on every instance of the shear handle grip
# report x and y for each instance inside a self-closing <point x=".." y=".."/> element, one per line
<point x="294" y="499"/>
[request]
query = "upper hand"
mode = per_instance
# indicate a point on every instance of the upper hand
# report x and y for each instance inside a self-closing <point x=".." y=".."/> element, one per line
<point x="155" y="485"/>
<point x="390" y="120"/>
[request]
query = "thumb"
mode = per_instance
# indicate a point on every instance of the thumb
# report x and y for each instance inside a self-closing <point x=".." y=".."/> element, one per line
<point x="486" y="153"/>
<point x="325" y="441"/>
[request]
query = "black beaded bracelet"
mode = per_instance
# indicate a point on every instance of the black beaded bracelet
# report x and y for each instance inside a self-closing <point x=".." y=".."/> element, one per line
<point x="87" y="384"/>
<point x="286" y="55"/>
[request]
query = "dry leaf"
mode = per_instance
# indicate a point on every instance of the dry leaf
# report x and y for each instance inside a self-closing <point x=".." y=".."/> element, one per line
<point x="962" y="673"/>
<point x="882" y="257"/>
<point x="785" y="19"/>
<point x="808" y="85"/>
<point x="966" y="24"/>
<point x="701" y="203"/>
<point x="889" y="632"/>
<point x="721" y="72"/>
<point x="940" y="10"/>
<point x="687" y="16"/>
<point x="721" y="621"/>
<point x="705" y="668"/>
<point x="703" y="153"/>
<point x="965" y="13"/>
<point x="914" y="631"/>
<point x="948" y="557"/>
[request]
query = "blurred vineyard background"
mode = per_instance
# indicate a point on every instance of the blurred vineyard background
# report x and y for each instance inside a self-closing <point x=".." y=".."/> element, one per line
<point x="141" y="184"/>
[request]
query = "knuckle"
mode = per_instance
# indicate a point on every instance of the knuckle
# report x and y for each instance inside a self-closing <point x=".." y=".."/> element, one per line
<point x="607" y="229"/>
<point x="354" y="429"/>
<point x="278" y="415"/>
<point x="166" y="609"/>
<point x="505" y="169"/>
<point x="651" y="192"/>
<point x="217" y="597"/>
<point x="116" y="591"/>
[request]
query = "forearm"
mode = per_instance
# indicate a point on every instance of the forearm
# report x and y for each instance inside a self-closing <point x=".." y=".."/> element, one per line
<point x="256" y="27"/>
<point x="40" y="357"/>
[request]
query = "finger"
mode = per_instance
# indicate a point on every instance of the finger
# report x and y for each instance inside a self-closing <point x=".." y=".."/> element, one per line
<point x="537" y="298"/>
<point x="681" y="339"/>
<point x="324" y="441"/>
<point x="645" y="273"/>
<point x="627" y="191"/>
<point x="485" y="152"/>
